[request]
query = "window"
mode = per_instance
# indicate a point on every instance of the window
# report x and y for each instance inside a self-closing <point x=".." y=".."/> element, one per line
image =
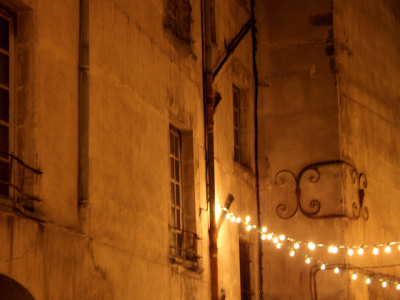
<point x="176" y="192"/>
<point x="245" y="282"/>
<point x="236" y="122"/>
<point x="178" y="18"/>
<point x="242" y="130"/>
<point x="16" y="177"/>
<point x="6" y="101"/>
<point x="183" y="243"/>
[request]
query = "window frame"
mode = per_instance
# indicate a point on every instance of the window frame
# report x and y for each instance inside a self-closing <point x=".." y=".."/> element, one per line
<point x="245" y="275"/>
<point x="236" y="124"/>
<point x="11" y="101"/>
<point x="176" y="13"/>
<point x="176" y="231"/>
<point x="187" y="255"/>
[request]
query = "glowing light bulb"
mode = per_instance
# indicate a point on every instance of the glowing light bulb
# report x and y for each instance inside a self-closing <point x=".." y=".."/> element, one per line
<point x="354" y="276"/>
<point x="282" y="237"/>
<point x="387" y="249"/>
<point x="269" y="237"/>
<point x="308" y="260"/>
<point x="275" y="240"/>
<point x="296" y="246"/>
<point x="368" y="281"/>
<point x="399" y="248"/>
<point x="398" y="287"/>
<point x="350" y="252"/>
<point x="278" y="245"/>
<point x="384" y="284"/>
<point x="311" y="246"/>
<point x="228" y="216"/>
<point x="292" y="253"/>
<point x="263" y="236"/>
<point x="332" y="249"/>
<point x="233" y="219"/>
<point x="238" y="220"/>
<point x="336" y="270"/>
<point x="360" y="251"/>
<point x="254" y="226"/>
<point x="375" y="251"/>
<point x="323" y="267"/>
<point x="248" y="227"/>
<point x="247" y="219"/>
<point x="264" y="229"/>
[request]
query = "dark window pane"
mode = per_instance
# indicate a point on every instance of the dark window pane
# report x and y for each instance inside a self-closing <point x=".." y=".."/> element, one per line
<point x="172" y="193"/>
<point x="4" y="169"/>
<point x="3" y="139"/>
<point x="176" y="147"/>
<point x="178" y="200"/>
<point x="236" y="137"/>
<point x="4" y="69"/>
<point x="3" y="189"/>
<point x="4" y="32"/>
<point x="177" y="170"/>
<point x="178" y="218"/>
<point x="179" y="241"/>
<point x="4" y="105"/>
<point x="236" y="118"/>
<point x="172" y="168"/>
<point x="245" y="282"/>
<point x="235" y="100"/>
<point x="171" y="143"/>
<point x="236" y="154"/>
<point x="173" y="217"/>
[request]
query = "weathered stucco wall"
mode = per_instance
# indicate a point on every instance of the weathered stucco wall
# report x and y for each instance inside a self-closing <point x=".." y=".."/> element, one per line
<point x="329" y="90"/>
<point x="368" y="58"/>
<point x="142" y="80"/>
<point x="298" y="126"/>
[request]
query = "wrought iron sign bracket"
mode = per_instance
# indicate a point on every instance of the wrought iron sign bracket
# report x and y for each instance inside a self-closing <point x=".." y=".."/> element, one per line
<point x="352" y="182"/>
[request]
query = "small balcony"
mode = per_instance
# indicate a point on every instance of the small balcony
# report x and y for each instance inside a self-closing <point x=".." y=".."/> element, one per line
<point x="183" y="247"/>
<point x="16" y="183"/>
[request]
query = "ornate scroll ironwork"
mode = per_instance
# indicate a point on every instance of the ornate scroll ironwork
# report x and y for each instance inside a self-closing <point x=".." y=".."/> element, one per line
<point x="311" y="175"/>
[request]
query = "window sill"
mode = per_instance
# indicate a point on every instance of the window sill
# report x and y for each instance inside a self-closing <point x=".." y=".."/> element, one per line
<point x="7" y="204"/>
<point x="182" y="46"/>
<point x="186" y="264"/>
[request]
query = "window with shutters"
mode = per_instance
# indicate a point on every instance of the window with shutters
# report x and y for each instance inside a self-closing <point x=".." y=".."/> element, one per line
<point x="178" y="18"/>
<point x="245" y="279"/>
<point x="183" y="240"/>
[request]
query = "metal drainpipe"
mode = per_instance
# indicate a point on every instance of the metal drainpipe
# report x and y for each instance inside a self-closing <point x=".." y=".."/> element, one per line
<point x="255" y="72"/>
<point x="83" y="184"/>
<point x="209" y="124"/>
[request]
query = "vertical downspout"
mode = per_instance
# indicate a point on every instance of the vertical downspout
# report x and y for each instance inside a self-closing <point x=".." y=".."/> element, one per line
<point x="260" y="252"/>
<point x="83" y="184"/>
<point x="209" y="124"/>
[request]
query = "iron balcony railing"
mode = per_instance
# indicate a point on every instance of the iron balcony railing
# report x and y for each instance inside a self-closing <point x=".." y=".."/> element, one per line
<point x="186" y="247"/>
<point x="18" y="182"/>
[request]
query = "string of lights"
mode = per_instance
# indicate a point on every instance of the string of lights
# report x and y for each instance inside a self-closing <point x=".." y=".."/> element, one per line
<point x="360" y="249"/>
<point x="280" y="241"/>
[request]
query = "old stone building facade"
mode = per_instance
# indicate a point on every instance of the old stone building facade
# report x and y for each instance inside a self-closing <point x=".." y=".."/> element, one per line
<point x="130" y="129"/>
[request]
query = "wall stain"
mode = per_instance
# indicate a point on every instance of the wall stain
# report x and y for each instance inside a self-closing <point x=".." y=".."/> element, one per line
<point x="321" y="19"/>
